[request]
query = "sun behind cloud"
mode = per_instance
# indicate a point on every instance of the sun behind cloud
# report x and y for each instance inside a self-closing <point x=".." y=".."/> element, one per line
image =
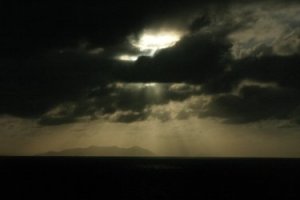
<point x="153" y="41"/>
<point x="149" y="42"/>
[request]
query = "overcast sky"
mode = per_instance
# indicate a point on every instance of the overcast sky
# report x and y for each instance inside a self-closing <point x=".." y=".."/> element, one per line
<point x="179" y="78"/>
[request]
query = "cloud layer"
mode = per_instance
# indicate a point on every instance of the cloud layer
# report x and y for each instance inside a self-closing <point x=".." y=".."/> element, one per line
<point x="62" y="68"/>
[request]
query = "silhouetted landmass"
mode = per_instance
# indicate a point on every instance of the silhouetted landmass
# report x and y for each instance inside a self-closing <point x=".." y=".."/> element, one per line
<point x="102" y="151"/>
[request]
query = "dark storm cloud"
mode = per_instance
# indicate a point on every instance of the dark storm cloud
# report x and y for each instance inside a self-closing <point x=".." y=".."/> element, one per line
<point x="119" y="102"/>
<point x="31" y="87"/>
<point x="255" y="103"/>
<point x="50" y="51"/>
<point x="30" y="27"/>
<point x="199" y="22"/>
<point x="52" y="54"/>
<point x="283" y="70"/>
<point x="196" y="58"/>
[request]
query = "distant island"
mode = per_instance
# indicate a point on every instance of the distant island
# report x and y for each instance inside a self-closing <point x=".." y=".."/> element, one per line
<point x="102" y="151"/>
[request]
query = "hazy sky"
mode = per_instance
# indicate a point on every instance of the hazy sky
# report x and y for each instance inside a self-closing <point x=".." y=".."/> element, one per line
<point x="179" y="78"/>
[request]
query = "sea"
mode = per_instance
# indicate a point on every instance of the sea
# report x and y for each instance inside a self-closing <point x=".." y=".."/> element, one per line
<point x="146" y="178"/>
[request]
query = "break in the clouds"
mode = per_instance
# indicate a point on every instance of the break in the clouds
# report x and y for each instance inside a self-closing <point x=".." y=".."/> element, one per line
<point x="233" y="62"/>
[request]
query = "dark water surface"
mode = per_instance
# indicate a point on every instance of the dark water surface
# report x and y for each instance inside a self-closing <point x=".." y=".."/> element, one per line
<point x="148" y="178"/>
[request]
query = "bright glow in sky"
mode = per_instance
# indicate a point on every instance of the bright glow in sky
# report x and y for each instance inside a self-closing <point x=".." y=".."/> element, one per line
<point x="150" y="84"/>
<point x="150" y="42"/>
<point x="155" y="41"/>
<point x="127" y="58"/>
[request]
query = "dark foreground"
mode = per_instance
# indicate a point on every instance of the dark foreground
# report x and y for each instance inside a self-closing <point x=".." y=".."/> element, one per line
<point x="148" y="178"/>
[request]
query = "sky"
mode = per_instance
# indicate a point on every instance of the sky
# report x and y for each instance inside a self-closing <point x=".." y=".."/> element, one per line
<point x="180" y="78"/>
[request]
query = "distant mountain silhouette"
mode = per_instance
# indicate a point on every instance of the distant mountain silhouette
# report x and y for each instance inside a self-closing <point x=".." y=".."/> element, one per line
<point x="101" y="151"/>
